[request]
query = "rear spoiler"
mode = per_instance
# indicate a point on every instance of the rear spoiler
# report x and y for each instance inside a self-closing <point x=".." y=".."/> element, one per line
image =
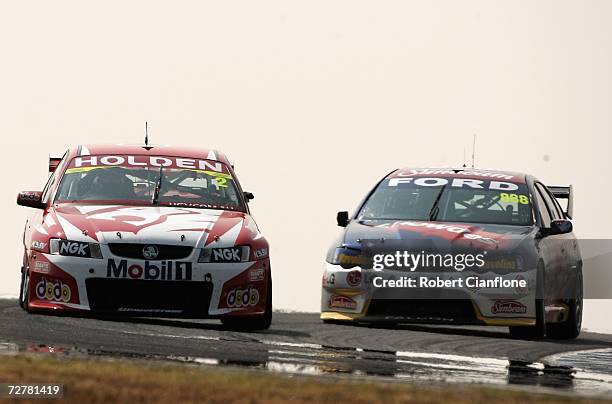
<point x="53" y="163"/>
<point x="565" y="193"/>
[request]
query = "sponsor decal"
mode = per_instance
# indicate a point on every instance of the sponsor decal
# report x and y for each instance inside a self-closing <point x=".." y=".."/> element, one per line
<point x="345" y="259"/>
<point x="440" y="227"/>
<point x="74" y="248"/>
<point x="349" y="256"/>
<point x="508" y="307"/>
<point x="198" y="205"/>
<point x="261" y="253"/>
<point x="226" y="254"/>
<point x="341" y="302"/>
<point x="502" y="263"/>
<point x="31" y="195"/>
<point x="353" y="278"/>
<point x="329" y="279"/>
<point x="151" y="161"/>
<point x="53" y="291"/>
<point x="41" y="266"/>
<point x="521" y="289"/>
<point x="455" y="183"/>
<point x="242" y="297"/>
<point x="150" y="252"/>
<point x="160" y="270"/>
<point x="38" y="245"/>
<point x="256" y="274"/>
<point x="464" y="173"/>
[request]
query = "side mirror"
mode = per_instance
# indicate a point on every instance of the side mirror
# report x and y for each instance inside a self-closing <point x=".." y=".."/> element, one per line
<point x="561" y="227"/>
<point x="53" y="163"/>
<point x="342" y="218"/>
<point x="32" y="199"/>
<point x="249" y="196"/>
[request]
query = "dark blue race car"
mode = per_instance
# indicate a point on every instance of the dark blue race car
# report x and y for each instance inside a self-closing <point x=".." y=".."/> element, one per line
<point x="458" y="246"/>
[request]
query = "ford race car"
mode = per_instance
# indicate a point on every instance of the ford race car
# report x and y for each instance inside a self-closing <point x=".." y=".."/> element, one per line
<point x="146" y="231"/>
<point x="458" y="246"/>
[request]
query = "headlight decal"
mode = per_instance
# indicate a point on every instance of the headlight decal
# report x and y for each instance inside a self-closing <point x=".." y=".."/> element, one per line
<point x="347" y="257"/>
<point x="74" y="248"/>
<point x="227" y="254"/>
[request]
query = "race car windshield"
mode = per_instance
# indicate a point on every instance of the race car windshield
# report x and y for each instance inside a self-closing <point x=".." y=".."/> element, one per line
<point x="449" y="200"/>
<point x="136" y="181"/>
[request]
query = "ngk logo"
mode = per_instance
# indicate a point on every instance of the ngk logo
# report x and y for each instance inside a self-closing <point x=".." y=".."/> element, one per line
<point x="226" y="254"/>
<point x="166" y="270"/>
<point x="73" y="248"/>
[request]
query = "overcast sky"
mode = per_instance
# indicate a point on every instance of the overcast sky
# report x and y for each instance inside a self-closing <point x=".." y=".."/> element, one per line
<point x="313" y="100"/>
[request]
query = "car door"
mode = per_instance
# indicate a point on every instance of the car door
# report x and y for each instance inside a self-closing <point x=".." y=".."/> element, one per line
<point x="558" y="265"/>
<point x="571" y="252"/>
<point x="544" y="243"/>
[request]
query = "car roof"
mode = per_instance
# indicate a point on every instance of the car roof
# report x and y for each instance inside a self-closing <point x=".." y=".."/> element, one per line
<point x="152" y="150"/>
<point x="471" y="172"/>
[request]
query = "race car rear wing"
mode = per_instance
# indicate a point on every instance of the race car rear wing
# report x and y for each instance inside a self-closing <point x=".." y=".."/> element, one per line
<point x="53" y="163"/>
<point x="564" y="193"/>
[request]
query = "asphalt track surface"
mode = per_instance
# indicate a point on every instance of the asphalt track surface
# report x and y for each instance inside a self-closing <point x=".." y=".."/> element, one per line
<point x="301" y="343"/>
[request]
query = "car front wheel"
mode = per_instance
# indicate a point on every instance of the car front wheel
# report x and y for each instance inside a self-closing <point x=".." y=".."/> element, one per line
<point x="570" y="328"/>
<point x="24" y="289"/>
<point x="252" y="323"/>
<point x="538" y="330"/>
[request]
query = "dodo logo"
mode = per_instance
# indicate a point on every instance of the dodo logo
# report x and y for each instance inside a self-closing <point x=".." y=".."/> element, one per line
<point x="54" y="291"/>
<point x="243" y="297"/>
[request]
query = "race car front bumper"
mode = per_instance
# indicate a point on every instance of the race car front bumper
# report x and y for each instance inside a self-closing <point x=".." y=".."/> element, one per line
<point x="117" y="285"/>
<point x="349" y="295"/>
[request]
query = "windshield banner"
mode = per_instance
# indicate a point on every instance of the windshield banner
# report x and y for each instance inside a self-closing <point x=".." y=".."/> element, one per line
<point x="148" y="161"/>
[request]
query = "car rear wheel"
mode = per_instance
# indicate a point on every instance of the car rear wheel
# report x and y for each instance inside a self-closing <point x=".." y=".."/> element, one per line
<point x="570" y="328"/>
<point x="252" y="323"/>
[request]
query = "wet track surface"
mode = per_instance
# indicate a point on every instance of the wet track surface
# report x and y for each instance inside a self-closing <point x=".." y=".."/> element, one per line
<point x="301" y="343"/>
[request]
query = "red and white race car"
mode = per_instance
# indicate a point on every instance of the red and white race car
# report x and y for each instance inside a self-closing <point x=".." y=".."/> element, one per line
<point x="156" y="231"/>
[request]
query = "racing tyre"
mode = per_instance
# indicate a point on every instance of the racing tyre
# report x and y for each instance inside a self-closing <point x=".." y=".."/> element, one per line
<point x="539" y="329"/>
<point x="570" y="328"/>
<point x="24" y="289"/>
<point x="252" y="323"/>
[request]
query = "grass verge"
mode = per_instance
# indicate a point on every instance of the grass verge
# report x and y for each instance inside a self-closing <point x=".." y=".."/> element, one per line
<point x="103" y="381"/>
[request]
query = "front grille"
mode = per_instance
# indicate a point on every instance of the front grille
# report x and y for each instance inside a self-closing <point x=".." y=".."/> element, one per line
<point x="149" y="297"/>
<point x="134" y="251"/>
<point x="444" y="310"/>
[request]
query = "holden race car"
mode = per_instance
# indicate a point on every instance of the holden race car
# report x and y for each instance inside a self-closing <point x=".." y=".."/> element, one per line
<point x="458" y="246"/>
<point x="146" y="231"/>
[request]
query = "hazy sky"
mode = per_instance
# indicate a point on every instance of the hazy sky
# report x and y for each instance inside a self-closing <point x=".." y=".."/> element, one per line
<point x="313" y="100"/>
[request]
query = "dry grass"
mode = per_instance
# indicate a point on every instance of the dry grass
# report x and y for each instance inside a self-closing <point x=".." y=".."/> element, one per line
<point x="98" y="381"/>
